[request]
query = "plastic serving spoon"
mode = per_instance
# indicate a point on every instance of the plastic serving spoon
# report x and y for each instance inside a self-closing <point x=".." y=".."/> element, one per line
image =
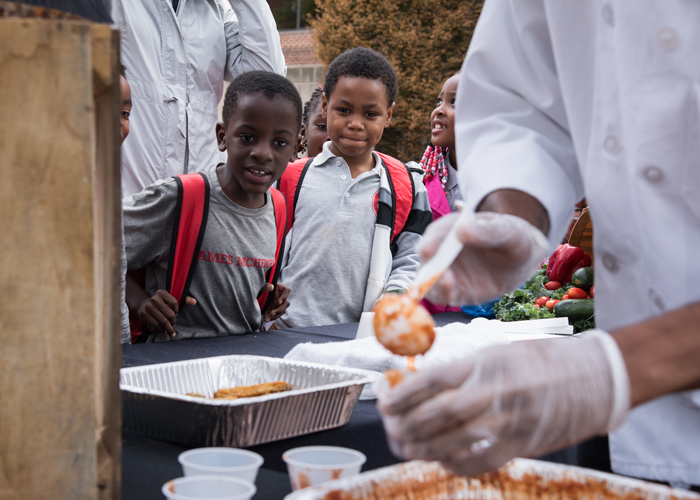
<point x="401" y="324"/>
<point x="432" y="271"/>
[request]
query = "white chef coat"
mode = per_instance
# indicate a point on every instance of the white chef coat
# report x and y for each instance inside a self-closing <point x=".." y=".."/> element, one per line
<point x="602" y="98"/>
<point x="176" y="64"/>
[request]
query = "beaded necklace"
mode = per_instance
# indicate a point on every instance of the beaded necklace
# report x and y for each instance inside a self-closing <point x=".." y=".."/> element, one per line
<point x="433" y="163"/>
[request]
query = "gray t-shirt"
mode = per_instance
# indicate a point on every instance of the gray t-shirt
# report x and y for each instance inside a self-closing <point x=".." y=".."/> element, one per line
<point x="237" y="250"/>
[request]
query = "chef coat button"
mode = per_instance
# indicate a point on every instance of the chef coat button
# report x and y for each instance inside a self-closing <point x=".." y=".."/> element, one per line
<point x="610" y="144"/>
<point x="347" y="195"/>
<point x="656" y="299"/>
<point x="654" y="174"/>
<point x="610" y="263"/>
<point x="608" y="16"/>
<point x="666" y="38"/>
<point x="343" y="177"/>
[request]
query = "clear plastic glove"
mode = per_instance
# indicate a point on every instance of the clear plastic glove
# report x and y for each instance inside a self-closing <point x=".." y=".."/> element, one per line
<point x="520" y="400"/>
<point x="500" y="253"/>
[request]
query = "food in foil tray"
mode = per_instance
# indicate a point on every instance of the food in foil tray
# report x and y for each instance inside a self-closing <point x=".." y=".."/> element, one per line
<point x="248" y="391"/>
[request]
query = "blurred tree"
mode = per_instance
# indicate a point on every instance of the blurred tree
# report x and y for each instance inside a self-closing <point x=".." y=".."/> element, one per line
<point x="425" y="40"/>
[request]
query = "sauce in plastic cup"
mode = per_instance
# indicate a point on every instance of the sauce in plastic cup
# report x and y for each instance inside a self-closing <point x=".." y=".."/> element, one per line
<point x="312" y="465"/>
<point x="230" y="462"/>
<point x="208" y="488"/>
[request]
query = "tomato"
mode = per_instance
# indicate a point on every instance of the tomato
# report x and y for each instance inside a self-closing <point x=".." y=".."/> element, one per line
<point x="541" y="301"/>
<point x="565" y="297"/>
<point x="577" y="293"/>
<point x="552" y="285"/>
<point x="593" y="291"/>
<point x="551" y="303"/>
<point x="538" y="306"/>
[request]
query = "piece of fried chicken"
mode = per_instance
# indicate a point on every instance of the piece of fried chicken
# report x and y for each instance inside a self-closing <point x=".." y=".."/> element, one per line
<point x="251" y="391"/>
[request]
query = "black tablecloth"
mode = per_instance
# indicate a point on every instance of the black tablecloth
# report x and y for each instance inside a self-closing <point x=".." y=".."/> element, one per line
<point x="147" y="464"/>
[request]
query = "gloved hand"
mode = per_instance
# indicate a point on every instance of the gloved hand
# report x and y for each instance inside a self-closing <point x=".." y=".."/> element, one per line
<point x="520" y="400"/>
<point x="500" y="253"/>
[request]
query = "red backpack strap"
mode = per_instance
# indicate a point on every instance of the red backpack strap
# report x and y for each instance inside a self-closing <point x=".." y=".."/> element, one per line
<point x="290" y="185"/>
<point x="402" y="193"/>
<point x="190" y="222"/>
<point x="280" y="207"/>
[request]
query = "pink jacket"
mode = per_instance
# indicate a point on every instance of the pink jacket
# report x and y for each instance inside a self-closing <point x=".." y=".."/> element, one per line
<point x="440" y="206"/>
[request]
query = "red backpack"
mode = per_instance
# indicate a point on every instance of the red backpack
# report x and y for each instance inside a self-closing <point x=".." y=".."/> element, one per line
<point x="191" y="212"/>
<point x="400" y="183"/>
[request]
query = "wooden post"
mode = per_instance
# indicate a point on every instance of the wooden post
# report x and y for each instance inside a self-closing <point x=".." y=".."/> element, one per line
<point x="60" y="416"/>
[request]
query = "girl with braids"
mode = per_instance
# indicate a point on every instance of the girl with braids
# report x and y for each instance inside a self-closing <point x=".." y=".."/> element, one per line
<point x="439" y="163"/>
<point x="313" y="128"/>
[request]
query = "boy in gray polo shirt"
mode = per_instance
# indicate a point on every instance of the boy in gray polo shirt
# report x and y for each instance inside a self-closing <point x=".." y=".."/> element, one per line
<point x="339" y="258"/>
<point x="260" y="130"/>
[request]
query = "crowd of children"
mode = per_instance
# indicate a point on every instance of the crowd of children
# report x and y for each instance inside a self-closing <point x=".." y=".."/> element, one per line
<point x="223" y="252"/>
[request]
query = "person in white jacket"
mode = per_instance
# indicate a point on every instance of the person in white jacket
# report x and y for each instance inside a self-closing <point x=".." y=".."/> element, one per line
<point x="559" y="100"/>
<point x="178" y="53"/>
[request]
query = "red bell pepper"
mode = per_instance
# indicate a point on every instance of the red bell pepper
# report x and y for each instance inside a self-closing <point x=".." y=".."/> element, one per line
<point x="564" y="261"/>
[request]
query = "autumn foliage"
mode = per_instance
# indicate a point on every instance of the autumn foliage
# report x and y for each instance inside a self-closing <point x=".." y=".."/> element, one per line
<point x="425" y="40"/>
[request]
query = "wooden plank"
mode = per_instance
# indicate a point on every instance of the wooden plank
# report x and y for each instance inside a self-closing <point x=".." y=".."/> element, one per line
<point x="107" y="214"/>
<point x="57" y="374"/>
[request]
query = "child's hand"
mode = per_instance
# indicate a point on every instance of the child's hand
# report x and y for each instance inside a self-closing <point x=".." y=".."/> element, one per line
<point x="160" y="311"/>
<point x="280" y="301"/>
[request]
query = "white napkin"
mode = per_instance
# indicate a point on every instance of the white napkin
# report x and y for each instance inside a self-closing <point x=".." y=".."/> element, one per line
<point x="452" y="342"/>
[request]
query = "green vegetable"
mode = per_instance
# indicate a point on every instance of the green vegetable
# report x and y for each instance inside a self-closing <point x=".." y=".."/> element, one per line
<point x="575" y="310"/>
<point x="582" y="325"/>
<point x="583" y="278"/>
<point x="519" y="305"/>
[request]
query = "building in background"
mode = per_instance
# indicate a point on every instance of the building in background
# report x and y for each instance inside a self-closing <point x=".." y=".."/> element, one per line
<point x="304" y="69"/>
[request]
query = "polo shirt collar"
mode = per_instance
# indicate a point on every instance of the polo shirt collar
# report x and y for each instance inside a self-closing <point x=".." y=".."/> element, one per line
<point x="326" y="155"/>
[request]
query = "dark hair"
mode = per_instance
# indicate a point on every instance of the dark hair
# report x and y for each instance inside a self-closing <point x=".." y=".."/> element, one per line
<point x="122" y="70"/>
<point x="364" y="63"/>
<point x="313" y="101"/>
<point x="260" y="82"/>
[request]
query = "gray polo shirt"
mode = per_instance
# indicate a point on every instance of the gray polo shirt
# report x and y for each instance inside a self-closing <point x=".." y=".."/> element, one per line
<point x="237" y="250"/>
<point x="331" y="243"/>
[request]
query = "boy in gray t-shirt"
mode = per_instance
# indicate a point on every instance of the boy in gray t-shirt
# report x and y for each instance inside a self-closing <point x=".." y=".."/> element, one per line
<point x="260" y="132"/>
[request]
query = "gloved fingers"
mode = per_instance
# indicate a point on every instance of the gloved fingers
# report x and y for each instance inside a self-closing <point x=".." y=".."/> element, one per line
<point x="443" y="290"/>
<point x="433" y="236"/>
<point x="447" y="410"/>
<point x="454" y="442"/>
<point x="421" y="386"/>
<point x="470" y="463"/>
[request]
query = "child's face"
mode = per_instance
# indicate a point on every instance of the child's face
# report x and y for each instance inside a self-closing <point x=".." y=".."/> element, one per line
<point x="442" y="119"/>
<point x="316" y="132"/>
<point x="261" y="137"/>
<point x="125" y="103"/>
<point x="356" y="114"/>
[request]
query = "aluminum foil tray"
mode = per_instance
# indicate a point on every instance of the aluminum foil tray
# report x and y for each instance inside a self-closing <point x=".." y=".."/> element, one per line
<point x="155" y="404"/>
<point x="520" y="479"/>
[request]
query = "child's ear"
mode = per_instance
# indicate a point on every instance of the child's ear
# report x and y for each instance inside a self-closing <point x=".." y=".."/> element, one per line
<point x="388" y="114"/>
<point x="221" y="136"/>
<point x="301" y="143"/>
<point x="324" y="106"/>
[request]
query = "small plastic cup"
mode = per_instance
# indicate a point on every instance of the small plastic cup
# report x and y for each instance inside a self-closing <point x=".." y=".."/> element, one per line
<point x="230" y="462"/>
<point x="208" y="488"/>
<point x="312" y="465"/>
<point x="366" y="326"/>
